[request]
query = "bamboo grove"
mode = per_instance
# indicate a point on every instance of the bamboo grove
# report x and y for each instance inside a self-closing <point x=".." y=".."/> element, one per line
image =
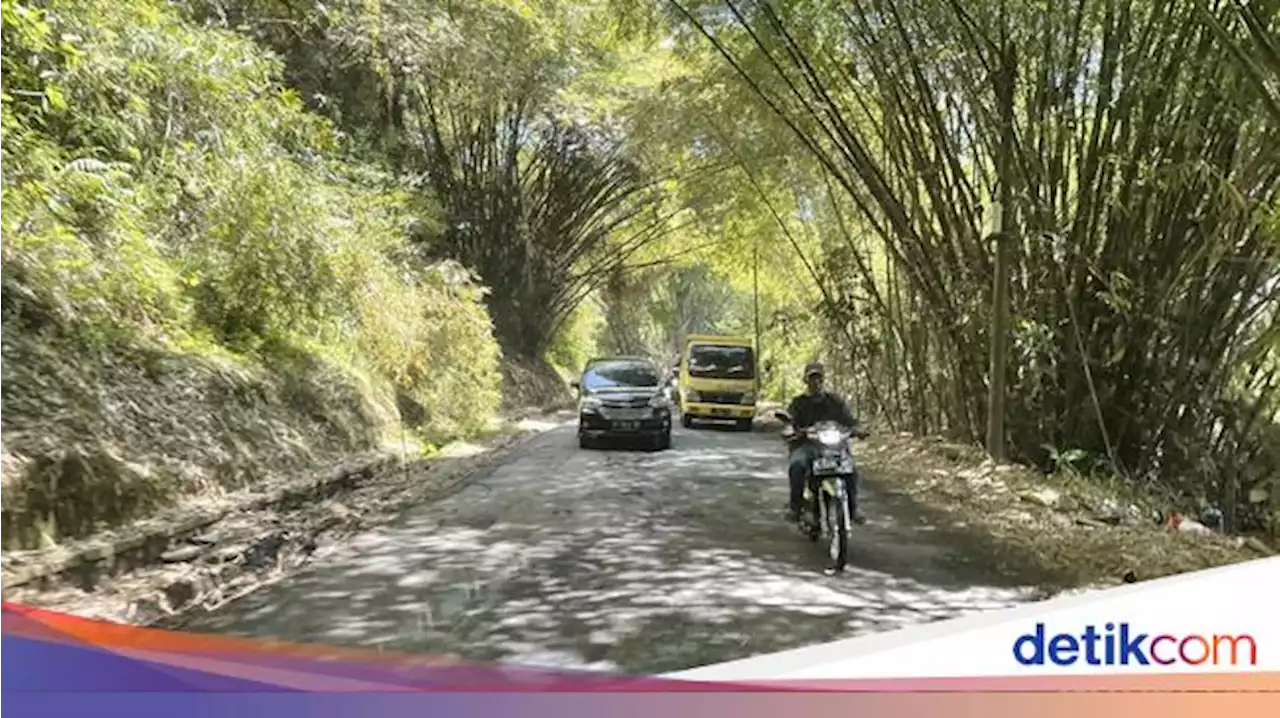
<point x="463" y="100"/>
<point x="1103" y="170"/>
<point x="1125" y="148"/>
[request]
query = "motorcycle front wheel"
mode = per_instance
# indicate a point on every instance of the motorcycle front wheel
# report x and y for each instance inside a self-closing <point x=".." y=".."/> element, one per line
<point x="838" y="524"/>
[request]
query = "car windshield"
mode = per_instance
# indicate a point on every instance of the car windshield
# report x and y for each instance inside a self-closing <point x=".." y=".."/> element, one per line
<point x="620" y="374"/>
<point x="710" y="361"/>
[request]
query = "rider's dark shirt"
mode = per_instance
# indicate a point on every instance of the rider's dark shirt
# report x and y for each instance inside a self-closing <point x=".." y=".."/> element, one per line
<point x="806" y="410"/>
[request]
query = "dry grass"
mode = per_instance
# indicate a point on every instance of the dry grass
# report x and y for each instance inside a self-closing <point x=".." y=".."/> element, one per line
<point x="1068" y="533"/>
<point x="532" y="383"/>
<point x="94" y="440"/>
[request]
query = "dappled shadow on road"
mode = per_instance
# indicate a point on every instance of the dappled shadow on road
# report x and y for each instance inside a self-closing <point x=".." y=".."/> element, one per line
<point x="630" y="561"/>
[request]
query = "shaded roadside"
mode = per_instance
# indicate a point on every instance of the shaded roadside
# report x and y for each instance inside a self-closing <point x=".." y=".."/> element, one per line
<point x="1018" y="522"/>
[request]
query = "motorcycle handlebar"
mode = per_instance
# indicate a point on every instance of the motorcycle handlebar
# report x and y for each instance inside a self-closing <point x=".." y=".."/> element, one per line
<point x="790" y="429"/>
<point x="790" y="432"/>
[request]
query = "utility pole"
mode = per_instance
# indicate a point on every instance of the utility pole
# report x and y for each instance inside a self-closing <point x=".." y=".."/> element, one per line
<point x="755" y="300"/>
<point x="1004" y="227"/>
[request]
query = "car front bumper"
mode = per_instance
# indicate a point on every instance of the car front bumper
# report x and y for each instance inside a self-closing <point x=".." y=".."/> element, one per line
<point x="596" y="426"/>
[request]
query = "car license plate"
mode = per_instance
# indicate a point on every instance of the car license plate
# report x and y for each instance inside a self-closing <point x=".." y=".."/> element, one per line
<point x="832" y="465"/>
<point x="627" y="414"/>
<point x="626" y="425"/>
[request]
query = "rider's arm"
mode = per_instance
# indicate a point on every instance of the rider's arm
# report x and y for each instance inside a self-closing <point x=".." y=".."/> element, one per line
<point x="791" y="429"/>
<point x="859" y="430"/>
<point x="846" y="416"/>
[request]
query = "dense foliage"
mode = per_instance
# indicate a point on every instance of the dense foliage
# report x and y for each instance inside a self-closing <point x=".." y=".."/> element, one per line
<point x="160" y="184"/>
<point x="1053" y="226"/>
<point x="1125" y="149"/>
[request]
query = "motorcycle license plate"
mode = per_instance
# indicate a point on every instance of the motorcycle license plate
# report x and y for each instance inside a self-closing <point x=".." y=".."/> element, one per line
<point x="827" y="465"/>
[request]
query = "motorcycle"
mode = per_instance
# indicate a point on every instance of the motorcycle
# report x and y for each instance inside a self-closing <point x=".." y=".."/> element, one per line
<point x="826" y="510"/>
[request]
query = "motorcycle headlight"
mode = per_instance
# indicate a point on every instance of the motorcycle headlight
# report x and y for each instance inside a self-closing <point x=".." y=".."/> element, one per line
<point x="829" y="437"/>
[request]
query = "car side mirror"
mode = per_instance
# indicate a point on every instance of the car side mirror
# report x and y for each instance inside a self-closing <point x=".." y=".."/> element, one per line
<point x="576" y="386"/>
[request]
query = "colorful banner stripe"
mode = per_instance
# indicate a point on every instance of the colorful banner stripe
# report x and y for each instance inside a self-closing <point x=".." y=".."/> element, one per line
<point x="64" y="665"/>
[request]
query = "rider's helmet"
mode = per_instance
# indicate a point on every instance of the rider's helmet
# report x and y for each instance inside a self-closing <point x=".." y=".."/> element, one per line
<point x="811" y="369"/>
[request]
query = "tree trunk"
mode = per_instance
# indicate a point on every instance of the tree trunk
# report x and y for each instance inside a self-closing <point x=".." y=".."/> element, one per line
<point x="998" y="371"/>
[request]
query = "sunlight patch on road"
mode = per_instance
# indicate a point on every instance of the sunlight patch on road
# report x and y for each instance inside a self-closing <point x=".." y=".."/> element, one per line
<point x="540" y="657"/>
<point x="539" y="425"/>
<point x="418" y="578"/>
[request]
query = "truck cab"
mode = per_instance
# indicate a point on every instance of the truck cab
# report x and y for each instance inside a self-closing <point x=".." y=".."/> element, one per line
<point x="718" y="380"/>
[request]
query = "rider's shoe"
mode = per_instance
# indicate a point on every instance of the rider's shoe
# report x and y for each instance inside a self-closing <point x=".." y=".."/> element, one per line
<point x="793" y="515"/>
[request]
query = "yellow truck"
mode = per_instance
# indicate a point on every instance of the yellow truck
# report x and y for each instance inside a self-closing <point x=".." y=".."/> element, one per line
<point x="718" y="380"/>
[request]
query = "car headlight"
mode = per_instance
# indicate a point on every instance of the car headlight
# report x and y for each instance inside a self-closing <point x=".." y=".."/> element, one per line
<point x="829" y="437"/>
<point x="749" y="398"/>
<point x="590" y="404"/>
<point x="659" y="401"/>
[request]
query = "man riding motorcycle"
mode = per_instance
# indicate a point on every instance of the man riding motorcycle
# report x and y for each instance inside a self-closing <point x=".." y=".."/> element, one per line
<point x="807" y="409"/>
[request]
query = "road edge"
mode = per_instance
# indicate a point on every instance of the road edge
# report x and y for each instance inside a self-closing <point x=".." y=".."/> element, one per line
<point x="310" y="501"/>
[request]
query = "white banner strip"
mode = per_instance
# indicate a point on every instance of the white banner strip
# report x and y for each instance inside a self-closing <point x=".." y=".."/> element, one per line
<point x="1219" y="620"/>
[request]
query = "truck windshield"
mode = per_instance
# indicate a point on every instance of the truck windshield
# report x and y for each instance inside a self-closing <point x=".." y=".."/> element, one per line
<point x="712" y="361"/>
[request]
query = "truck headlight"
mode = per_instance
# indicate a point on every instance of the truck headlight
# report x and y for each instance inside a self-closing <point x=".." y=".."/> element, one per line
<point x="691" y="395"/>
<point x="749" y="398"/>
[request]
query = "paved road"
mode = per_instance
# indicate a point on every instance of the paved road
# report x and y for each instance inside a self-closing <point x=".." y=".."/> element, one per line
<point x="619" y="560"/>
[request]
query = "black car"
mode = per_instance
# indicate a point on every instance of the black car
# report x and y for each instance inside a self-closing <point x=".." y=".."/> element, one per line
<point x="623" y="397"/>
